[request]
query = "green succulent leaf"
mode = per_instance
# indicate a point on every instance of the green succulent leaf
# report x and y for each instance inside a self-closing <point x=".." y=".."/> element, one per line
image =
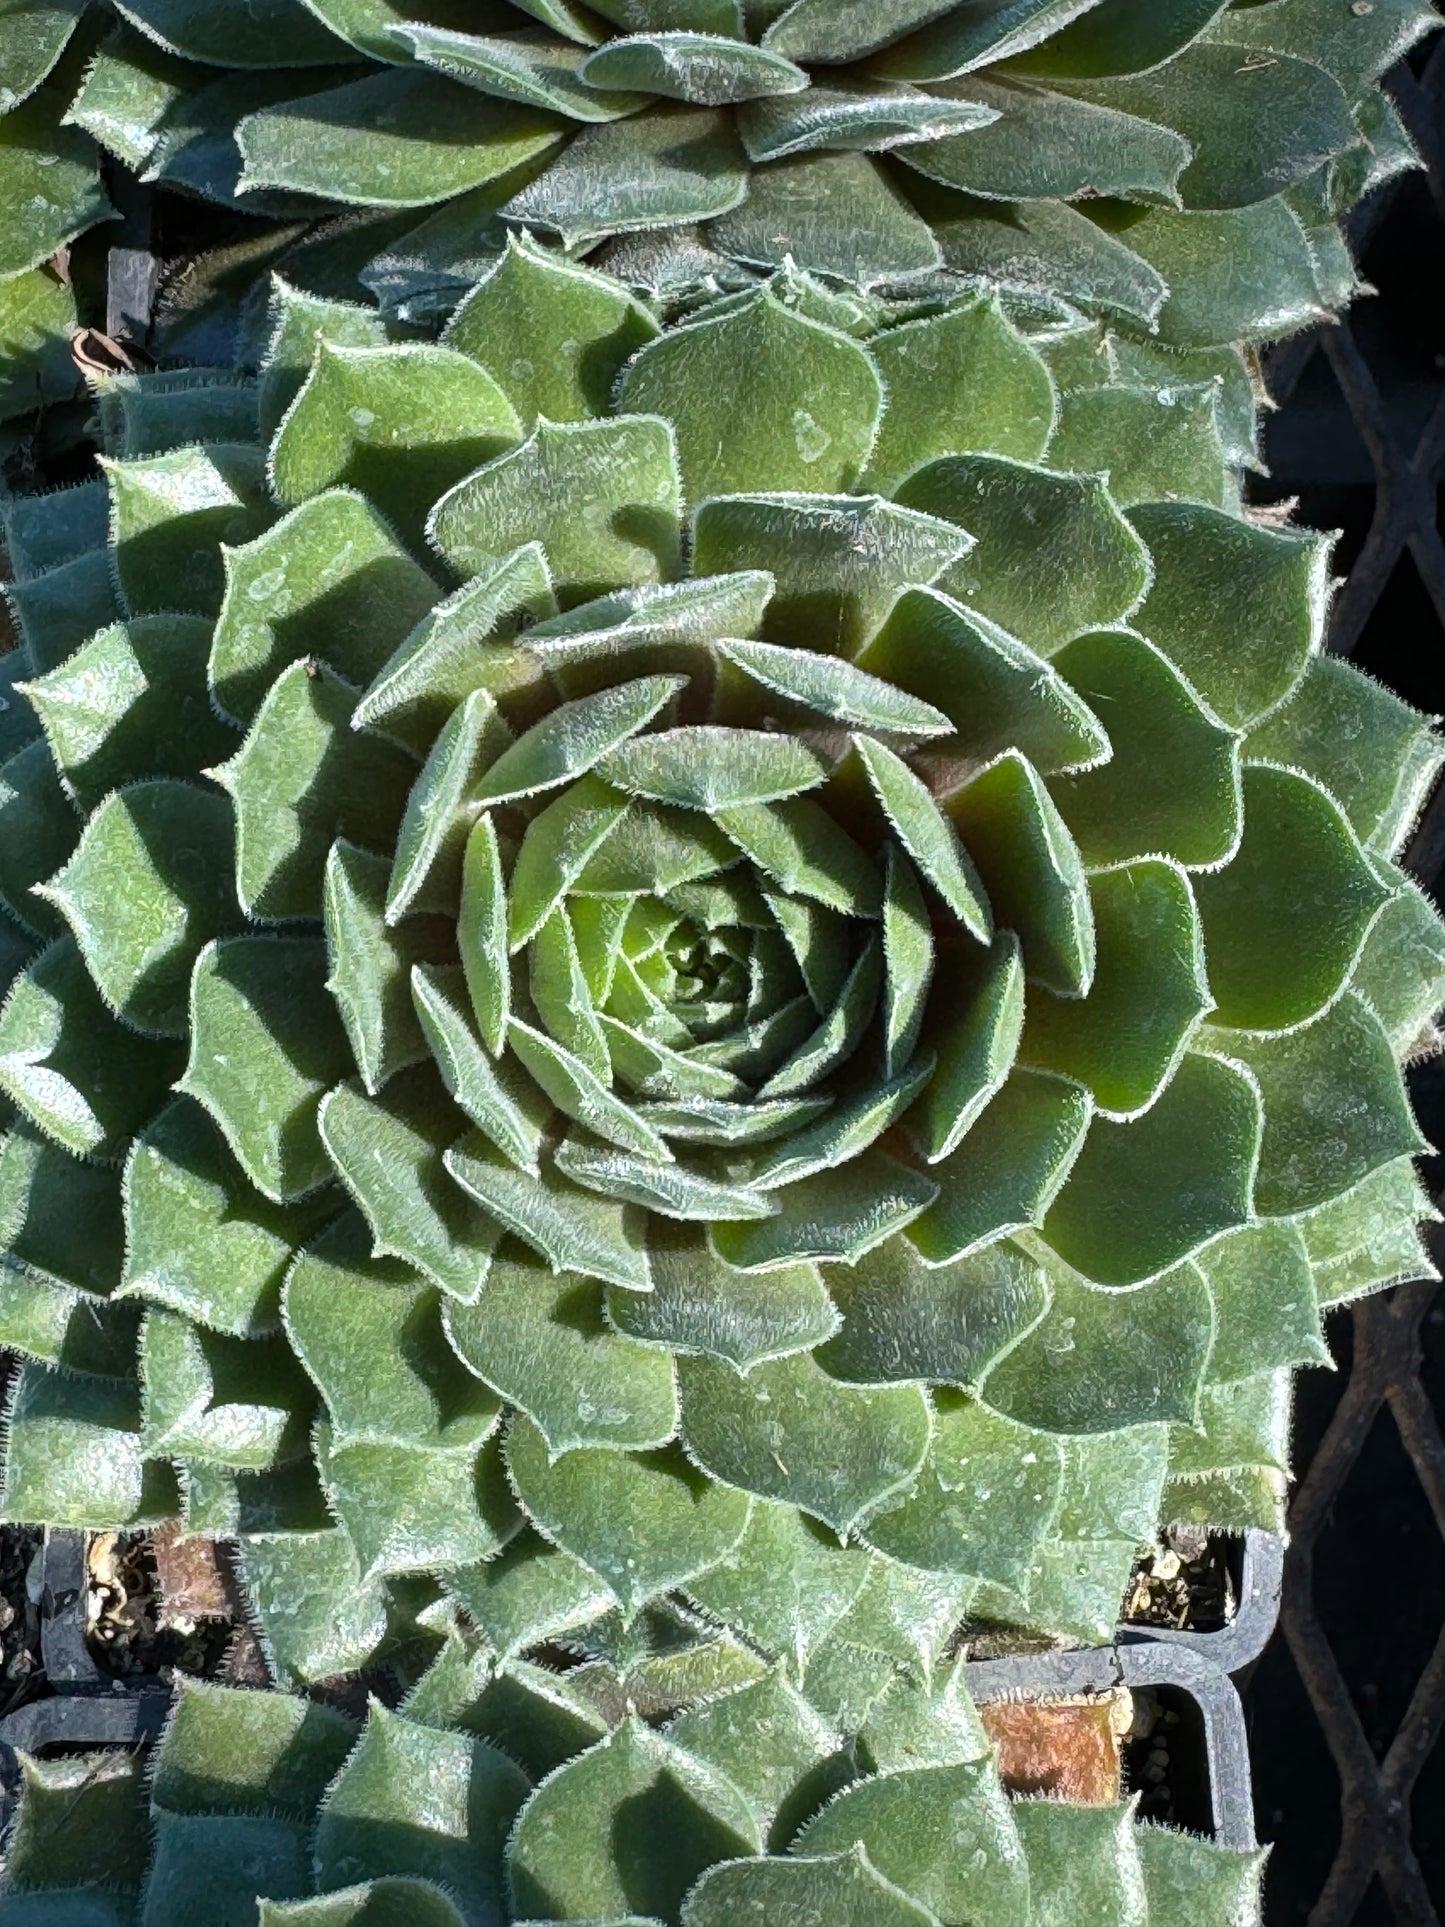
<point x="1083" y="1864"/>
<point x="682" y="1817"/>
<point x="1335" y="1107"/>
<point x="170" y="516"/>
<point x="266" y="1044"/>
<point x="1066" y="1375"/>
<point x="1236" y="607"/>
<point x="543" y="1343"/>
<point x="1054" y="554"/>
<point x="913" y="1827"/>
<point x="1171" y="787"/>
<point x="838" y="563"/>
<point x="787" y="1430"/>
<point x="423" y="140"/>
<point x="199" y="1238"/>
<point x="642" y="1521"/>
<point x="371" y="1335"/>
<point x="809" y="424"/>
<point x="1300" y="893"/>
<point x="844" y="1887"/>
<point x="131" y="702"/>
<point x="369" y="1826"/>
<point x="150" y="884"/>
<point x="399" y="427"/>
<point x="1117" y="1226"/>
<point x="88" y="1081"/>
<point x="527" y="495"/>
<point x="328" y="583"/>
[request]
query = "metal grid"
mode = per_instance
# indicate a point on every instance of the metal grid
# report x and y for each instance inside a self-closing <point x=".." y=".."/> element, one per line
<point x="1355" y="1681"/>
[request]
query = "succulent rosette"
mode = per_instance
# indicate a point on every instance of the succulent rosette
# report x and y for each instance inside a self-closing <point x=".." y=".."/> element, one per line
<point x="1177" y="165"/>
<point x="754" y="966"/>
<point x="499" y="1795"/>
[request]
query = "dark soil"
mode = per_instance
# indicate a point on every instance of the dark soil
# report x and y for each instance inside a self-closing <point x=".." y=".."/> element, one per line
<point x="1189" y="1584"/>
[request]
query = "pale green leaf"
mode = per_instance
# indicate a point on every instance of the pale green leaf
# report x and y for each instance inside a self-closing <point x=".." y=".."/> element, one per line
<point x="664" y="168"/>
<point x="644" y="1522"/>
<point x="87" y="1080"/>
<point x="996" y="693"/>
<point x="1155" y="444"/>
<point x="570" y="1228"/>
<point x="506" y="1106"/>
<point x="946" y="1834"/>
<point x="1045" y="145"/>
<point x="370" y="1334"/>
<point x="1124" y="1039"/>
<point x="701" y="1305"/>
<point x="711" y="70"/>
<point x="172" y="517"/>
<point x="1100" y="1360"/>
<point x="626" y="533"/>
<point x="73" y="1455"/>
<point x="574" y="738"/>
<point x="1335" y="1107"/>
<point x="1054" y="553"/>
<point x="681" y="1817"/>
<point x="372" y="1822"/>
<point x="60" y="1219"/>
<point x="788" y="1431"/>
<point x="200" y="1239"/>
<point x="414" y="1509"/>
<point x="1008" y="1170"/>
<point x="300" y="322"/>
<point x="1400" y="972"/>
<point x="400" y="425"/>
<point x="371" y="963"/>
<point x="302" y="778"/>
<point x="835" y="214"/>
<point x="315" y="1614"/>
<point x="1148" y="1192"/>
<point x="962" y="379"/>
<point x="132" y="702"/>
<point x="530" y="1592"/>
<point x="800" y="846"/>
<point x="544" y="1344"/>
<point x="1199" y="1880"/>
<point x="387" y="1149"/>
<point x="711" y="769"/>
<point x="835" y="1216"/>
<point x="1375" y="755"/>
<point x="1084" y="1866"/>
<point x="1237" y="607"/>
<point x="988" y="1492"/>
<point x="1031" y="868"/>
<point x="329" y="582"/>
<point x="941" y="1324"/>
<point x="231" y="1401"/>
<point x="1370" y="1236"/>
<point x="150" y="884"/>
<point x="762" y="397"/>
<point x="838" y="562"/>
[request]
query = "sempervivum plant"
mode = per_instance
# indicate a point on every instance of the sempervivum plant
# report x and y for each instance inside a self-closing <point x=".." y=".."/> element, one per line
<point x="1178" y="163"/>
<point x="737" y="962"/>
<point x="500" y="1794"/>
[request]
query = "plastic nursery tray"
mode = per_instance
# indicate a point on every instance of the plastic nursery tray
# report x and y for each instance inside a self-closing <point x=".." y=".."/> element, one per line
<point x="1222" y="1799"/>
<point x="85" y="1707"/>
<point x="1258" y="1577"/>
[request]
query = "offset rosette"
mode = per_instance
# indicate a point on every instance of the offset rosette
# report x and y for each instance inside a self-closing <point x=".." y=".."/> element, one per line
<point x="747" y="970"/>
<point x="1179" y="166"/>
